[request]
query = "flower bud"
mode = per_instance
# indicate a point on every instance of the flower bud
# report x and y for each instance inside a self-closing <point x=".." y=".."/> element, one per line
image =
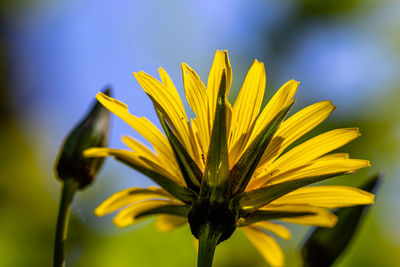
<point x="92" y="131"/>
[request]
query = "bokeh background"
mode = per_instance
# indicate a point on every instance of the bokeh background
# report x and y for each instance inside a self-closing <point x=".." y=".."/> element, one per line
<point x="55" y="56"/>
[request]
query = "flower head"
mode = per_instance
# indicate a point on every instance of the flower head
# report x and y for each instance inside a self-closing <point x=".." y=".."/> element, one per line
<point x="226" y="168"/>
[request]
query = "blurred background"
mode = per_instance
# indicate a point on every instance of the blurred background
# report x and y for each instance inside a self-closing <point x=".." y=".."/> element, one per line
<point x="55" y="56"/>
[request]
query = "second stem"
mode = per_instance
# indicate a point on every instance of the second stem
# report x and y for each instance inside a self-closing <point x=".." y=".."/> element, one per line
<point x="67" y="194"/>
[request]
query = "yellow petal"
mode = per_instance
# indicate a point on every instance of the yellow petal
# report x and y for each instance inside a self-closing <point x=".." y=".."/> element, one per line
<point x="320" y="217"/>
<point x="196" y="95"/>
<point x="167" y="98"/>
<point x="328" y="196"/>
<point x="335" y="156"/>
<point x="166" y="80"/>
<point x="279" y="101"/>
<point x="265" y="244"/>
<point x="129" y="196"/>
<point x="317" y="167"/>
<point x="277" y="229"/>
<point x="314" y="148"/>
<point x="193" y="140"/>
<point x="160" y="160"/>
<point x="143" y="126"/>
<point x="196" y="244"/>
<point x="134" y="158"/>
<point x="129" y="156"/>
<point x="138" y="147"/>
<point x="128" y="215"/>
<point x="221" y="63"/>
<point x="322" y="167"/>
<point x="296" y="126"/>
<point x="198" y="142"/>
<point x="166" y="222"/>
<point x="246" y="109"/>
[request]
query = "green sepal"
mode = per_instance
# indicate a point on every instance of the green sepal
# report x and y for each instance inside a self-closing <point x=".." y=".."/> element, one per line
<point x="184" y="194"/>
<point x="177" y="210"/>
<point x="248" y="162"/>
<point x="190" y="171"/>
<point x="262" y="196"/>
<point x="264" y="215"/>
<point x="215" y="182"/>
<point x="325" y="245"/>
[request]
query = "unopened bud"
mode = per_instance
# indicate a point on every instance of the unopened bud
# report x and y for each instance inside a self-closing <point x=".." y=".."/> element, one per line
<point x="92" y="131"/>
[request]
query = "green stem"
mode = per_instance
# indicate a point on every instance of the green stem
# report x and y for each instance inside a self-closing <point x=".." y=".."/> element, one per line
<point x="208" y="240"/>
<point x="68" y="191"/>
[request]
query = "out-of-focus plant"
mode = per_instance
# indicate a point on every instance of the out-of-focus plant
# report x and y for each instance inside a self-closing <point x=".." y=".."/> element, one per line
<point x="325" y="245"/>
<point x="74" y="170"/>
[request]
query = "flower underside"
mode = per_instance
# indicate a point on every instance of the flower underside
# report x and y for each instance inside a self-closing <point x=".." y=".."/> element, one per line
<point x="225" y="168"/>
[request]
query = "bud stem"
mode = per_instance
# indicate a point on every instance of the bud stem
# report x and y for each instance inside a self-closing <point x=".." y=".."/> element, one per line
<point x="208" y="240"/>
<point x="68" y="190"/>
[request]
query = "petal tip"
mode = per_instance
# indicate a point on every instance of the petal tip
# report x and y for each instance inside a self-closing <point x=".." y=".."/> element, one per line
<point x="293" y="81"/>
<point x="333" y="222"/>
<point x="101" y="94"/>
<point x="138" y="74"/>
<point x="118" y="223"/>
<point x="98" y="212"/>
<point x="95" y="152"/>
<point x="356" y="130"/>
<point x="371" y="199"/>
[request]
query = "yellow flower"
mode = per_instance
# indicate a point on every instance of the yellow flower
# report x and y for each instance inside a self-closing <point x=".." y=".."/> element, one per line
<point x="226" y="168"/>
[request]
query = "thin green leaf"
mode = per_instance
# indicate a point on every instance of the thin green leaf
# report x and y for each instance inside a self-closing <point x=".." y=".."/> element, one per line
<point x="177" y="210"/>
<point x="261" y="197"/>
<point x="263" y="215"/>
<point x="244" y="169"/>
<point x="178" y="191"/>
<point x="325" y="245"/>
<point x="190" y="171"/>
<point x="215" y="182"/>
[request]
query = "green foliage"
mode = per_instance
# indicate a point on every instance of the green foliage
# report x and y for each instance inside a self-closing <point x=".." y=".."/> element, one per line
<point x="325" y="245"/>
